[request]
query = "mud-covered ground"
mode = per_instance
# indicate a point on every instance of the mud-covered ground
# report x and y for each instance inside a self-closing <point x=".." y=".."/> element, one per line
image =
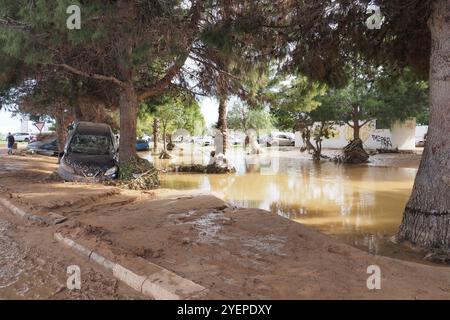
<point x="235" y="253"/>
<point x="33" y="266"/>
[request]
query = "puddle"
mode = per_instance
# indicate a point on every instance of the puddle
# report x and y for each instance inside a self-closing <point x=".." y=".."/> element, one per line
<point x="361" y="205"/>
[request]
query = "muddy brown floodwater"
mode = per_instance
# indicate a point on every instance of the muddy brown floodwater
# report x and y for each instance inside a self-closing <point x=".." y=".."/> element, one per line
<point x="361" y="205"/>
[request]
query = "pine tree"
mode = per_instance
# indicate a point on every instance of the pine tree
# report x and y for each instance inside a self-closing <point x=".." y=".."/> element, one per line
<point x="324" y="34"/>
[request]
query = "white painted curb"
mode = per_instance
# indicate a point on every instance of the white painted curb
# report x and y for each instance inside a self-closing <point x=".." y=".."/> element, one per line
<point x="160" y="285"/>
<point x="29" y="216"/>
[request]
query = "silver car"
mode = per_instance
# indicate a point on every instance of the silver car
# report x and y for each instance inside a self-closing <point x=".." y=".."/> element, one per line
<point x="280" y="139"/>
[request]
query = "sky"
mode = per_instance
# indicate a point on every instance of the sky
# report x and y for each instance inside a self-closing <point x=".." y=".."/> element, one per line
<point x="209" y="108"/>
<point x="8" y="123"/>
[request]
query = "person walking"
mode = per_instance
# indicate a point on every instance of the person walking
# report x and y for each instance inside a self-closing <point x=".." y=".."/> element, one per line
<point x="11" y="141"/>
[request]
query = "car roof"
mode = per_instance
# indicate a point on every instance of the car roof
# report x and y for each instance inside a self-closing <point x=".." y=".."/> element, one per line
<point x="85" y="127"/>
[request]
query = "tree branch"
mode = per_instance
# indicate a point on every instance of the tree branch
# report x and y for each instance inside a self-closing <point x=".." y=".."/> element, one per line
<point x="164" y="82"/>
<point x="89" y="75"/>
<point x="364" y="123"/>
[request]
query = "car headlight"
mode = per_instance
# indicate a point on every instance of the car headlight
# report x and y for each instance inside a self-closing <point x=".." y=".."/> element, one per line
<point x="66" y="167"/>
<point x="111" y="171"/>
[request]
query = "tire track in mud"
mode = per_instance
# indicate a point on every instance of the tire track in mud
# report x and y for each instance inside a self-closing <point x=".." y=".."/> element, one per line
<point x="104" y="203"/>
<point x="28" y="271"/>
<point x="83" y="201"/>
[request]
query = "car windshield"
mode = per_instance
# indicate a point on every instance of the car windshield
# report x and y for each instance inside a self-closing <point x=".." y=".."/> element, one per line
<point x="91" y="144"/>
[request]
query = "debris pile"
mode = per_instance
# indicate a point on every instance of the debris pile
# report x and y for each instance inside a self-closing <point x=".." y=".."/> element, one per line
<point x="136" y="174"/>
<point x="353" y="153"/>
<point x="164" y="155"/>
<point x="219" y="164"/>
<point x="53" y="177"/>
<point x="170" y="146"/>
<point x="195" y="168"/>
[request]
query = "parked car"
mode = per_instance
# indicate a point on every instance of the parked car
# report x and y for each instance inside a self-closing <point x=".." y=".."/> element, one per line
<point x="142" y="145"/>
<point x="182" y="139"/>
<point x="421" y="142"/>
<point x="204" y="141"/>
<point x="280" y="139"/>
<point x="23" y="137"/>
<point x="237" y="141"/>
<point x="207" y="141"/>
<point x="90" y="154"/>
<point x="48" y="147"/>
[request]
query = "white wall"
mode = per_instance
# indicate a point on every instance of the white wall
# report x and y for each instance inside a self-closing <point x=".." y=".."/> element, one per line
<point x="401" y="136"/>
<point x="420" y="132"/>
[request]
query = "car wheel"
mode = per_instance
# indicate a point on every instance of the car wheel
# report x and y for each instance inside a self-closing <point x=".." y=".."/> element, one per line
<point x="268" y="145"/>
<point x="26" y="140"/>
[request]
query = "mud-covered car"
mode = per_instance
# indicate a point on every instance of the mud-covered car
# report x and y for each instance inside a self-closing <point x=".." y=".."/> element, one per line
<point x="48" y="147"/>
<point x="90" y="154"/>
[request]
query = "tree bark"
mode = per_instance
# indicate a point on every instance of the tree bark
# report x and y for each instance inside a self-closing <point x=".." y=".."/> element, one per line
<point x="61" y="132"/>
<point x="426" y="220"/>
<point x="355" y="120"/>
<point x="155" y="134"/>
<point x="356" y="130"/>
<point x="128" y="106"/>
<point x="164" y="136"/>
<point x="222" y="121"/>
<point x="77" y="111"/>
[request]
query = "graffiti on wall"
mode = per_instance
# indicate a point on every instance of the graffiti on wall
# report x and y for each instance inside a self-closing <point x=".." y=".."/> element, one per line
<point x="385" y="142"/>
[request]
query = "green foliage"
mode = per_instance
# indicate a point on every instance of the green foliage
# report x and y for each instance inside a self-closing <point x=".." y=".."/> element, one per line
<point x="175" y="111"/>
<point x="402" y="96"/>
<point x="292" y="98"/>
<point x="381" y="95"/>
<point x="243" y="117"/>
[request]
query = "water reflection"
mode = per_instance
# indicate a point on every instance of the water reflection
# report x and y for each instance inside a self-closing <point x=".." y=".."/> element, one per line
<point x="361" y="205"/>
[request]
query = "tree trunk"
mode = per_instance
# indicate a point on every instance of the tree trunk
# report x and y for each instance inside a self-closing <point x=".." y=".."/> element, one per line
<point x="155" y="134"/>
<point x="222" y="121"/>
<point x="356" y="130"/>
<point x="426" y="220"/>
<point x="128" y="117"/>
<point x="77" y="111"/>
<point x="355" y="120"/>
<point x="61" y="132"/>
<point x="164" y="137"/>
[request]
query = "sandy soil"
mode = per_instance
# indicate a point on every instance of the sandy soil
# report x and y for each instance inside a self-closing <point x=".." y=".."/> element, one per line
<point x="235" y="253"/>
<point x="33" y="266"/>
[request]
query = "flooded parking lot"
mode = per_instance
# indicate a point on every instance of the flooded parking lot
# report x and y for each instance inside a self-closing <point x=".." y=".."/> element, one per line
<point x="361" y="205"/>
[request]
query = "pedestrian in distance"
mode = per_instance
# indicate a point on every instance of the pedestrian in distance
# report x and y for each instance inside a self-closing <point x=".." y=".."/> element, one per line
<point x="11" y="141"/>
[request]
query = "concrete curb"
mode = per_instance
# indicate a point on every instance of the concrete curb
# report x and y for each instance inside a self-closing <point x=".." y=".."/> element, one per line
<point x="19" y="212"/>
<point x="162" y="284"/>
<point x="54" y="218"/>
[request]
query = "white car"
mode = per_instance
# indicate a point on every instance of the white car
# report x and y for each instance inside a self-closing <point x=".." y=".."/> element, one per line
<point x="207" y="141"/>
<point x="281" y="139"/>
<point x="237" y="141"/>
<point x="23" y="137"/>
<point x="204" y="141"/>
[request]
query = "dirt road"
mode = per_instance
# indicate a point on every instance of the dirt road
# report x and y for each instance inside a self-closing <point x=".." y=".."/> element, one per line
<point x="33" y="266"/>
<point x="235" y="253"/>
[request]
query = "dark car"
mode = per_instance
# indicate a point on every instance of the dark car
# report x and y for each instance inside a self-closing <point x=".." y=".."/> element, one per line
<point x="48" y="147"/>
<point x="90" y="154"/>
